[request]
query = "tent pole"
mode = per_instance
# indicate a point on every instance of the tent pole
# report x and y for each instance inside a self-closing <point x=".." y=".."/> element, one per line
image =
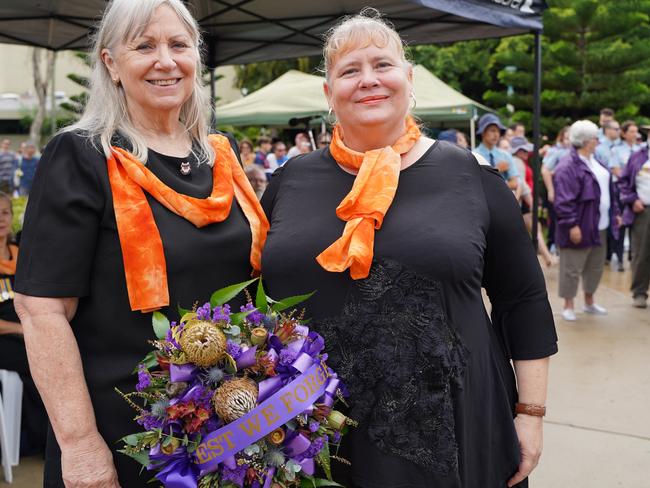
<point x="213" y="98"/>
<point x="53" y="97"/>
<point x="537" y="110"/>
<point x="472" y="132"/>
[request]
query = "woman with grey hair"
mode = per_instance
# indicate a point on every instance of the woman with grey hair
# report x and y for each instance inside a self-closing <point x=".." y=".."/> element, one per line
<point x="142" y="210"/>
<point x="585" y="206"/>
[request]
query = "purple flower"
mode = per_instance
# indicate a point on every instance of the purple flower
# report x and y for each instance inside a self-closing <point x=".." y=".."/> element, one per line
<point x="144" y="379"/>
<point x="337" y="437"/>
<point x="254" y="317"/>
<point x="222" y="313"/>
<point x="314" y="426"/>
<point x="233" y="349"/>
<point x="204" y="312"/>
<point x="170" y="337"/>
<point x="314" y="449"/>
<point x="149" y="422"/>
<point x="236" y="475"/>
<point x="287" y="357"/>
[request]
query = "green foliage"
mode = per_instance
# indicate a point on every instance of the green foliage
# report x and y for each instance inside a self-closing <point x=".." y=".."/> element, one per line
<point x="77" y="104"/>
<point x="223" y="295"/>
<point x="595" y="55"/>
<point x="18" y="205"/>
<point x="464" y="66"/>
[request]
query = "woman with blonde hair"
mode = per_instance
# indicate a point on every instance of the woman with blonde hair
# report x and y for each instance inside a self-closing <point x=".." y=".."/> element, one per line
<point x="133" y="209"/>
<point x="397" y="233"/>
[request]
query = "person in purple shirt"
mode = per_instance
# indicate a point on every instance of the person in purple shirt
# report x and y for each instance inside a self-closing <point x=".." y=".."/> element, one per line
<point x="584" y="206"/>
<point x="634" y="186"/>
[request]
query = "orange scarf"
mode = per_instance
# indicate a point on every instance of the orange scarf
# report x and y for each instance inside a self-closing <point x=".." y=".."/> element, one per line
<point x="142" y="249"/>
<point x="364" y="208"/>
<point x="8" y="266"/>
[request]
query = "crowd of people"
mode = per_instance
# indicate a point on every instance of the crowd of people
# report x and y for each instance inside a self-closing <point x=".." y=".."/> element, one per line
<point x="259" y="164"/>
<point x="596" y="185"/>
<point x="17" y="169"/>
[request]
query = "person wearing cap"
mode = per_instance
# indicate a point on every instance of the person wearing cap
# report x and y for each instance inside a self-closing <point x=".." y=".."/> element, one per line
<point x="491" y="129"/>
<point x="585" y="206"/>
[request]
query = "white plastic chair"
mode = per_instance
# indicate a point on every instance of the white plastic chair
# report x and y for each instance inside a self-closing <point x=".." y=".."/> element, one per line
<point x="10" y="416"/>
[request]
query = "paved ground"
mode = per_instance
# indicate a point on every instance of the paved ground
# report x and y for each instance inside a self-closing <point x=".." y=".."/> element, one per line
<point x="597" y="432"/>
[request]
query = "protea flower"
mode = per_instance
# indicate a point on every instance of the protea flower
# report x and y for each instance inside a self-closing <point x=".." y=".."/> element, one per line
<point x="235" y="398"/>
<point x="204" y="343"/>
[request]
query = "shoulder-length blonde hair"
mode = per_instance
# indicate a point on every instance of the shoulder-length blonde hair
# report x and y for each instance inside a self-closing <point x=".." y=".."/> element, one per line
<point x="106" y="110"/>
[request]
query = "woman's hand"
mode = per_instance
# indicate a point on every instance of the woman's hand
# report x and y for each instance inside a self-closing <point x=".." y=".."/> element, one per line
<point x="638" y="206"/>
<point x="88" y="463"/>
<point x="529" y="431"/>
<point x="575" y="234"/>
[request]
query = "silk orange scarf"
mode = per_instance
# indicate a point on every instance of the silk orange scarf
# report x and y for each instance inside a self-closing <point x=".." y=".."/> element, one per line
<point x="364" y="208"/>
<point x="8" y="266"/>
<point x="142" y="249"/>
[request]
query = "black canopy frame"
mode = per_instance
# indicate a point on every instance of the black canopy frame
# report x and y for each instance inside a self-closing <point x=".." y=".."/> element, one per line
<point x="245" y="31"/>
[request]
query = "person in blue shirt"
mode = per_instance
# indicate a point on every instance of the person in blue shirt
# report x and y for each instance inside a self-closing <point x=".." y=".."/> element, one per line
<point x="606" y="114"/>
<point x="490" y="129"/>
<point x="622" y="152"/>
<point x="26" y="169"/>
<point x="603" y="153"/>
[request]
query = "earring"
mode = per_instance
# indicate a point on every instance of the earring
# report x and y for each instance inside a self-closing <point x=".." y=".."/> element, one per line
<point x="415" y="102"/>
<point x="116" y="82"/>
<point x="329" y="119"/>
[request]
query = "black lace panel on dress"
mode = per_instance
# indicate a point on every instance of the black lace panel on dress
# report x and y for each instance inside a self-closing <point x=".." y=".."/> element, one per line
<point x="400" y="358"/>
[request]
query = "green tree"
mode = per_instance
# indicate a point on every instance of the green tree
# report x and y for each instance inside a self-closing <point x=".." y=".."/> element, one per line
<point x="464" y="65"/>
<point x="595" y="55"/>
<point x="77" y="103"/>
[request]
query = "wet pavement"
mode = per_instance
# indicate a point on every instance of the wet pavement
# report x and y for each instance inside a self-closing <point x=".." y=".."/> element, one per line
<point x="597" y="430"/>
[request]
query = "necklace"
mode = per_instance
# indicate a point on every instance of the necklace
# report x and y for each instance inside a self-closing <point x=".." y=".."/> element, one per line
<point x="186" y="168"/>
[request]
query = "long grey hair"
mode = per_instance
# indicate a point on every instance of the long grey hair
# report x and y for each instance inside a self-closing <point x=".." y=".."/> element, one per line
<point x="106" y="111"/>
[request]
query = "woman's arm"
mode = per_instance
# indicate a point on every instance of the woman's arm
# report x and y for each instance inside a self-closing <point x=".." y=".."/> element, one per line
<point x="7" y="327"/>
<point x="55" y="364"/>
<point x="547" y="177"/>
<point x="532" y="381"/>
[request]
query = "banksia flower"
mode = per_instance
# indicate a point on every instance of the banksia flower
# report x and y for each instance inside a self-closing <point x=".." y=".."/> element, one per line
<point x="203" y="343"/>
<point x="235" y="398"/>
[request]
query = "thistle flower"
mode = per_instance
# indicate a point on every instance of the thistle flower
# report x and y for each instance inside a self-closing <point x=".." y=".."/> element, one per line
<point x="274" y="457"/>
<point x="159" y="408"/>
<point x="213" y="376"/>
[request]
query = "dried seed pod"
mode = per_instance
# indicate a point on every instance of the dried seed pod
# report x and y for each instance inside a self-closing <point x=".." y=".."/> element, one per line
<point x="235" y="398"/>
<point x="203" y="343"/>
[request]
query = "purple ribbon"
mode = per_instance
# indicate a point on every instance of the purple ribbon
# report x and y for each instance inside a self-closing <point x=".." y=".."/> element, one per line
<point x="272" y="413"/>
<point x="247" y="358"/>
<point x="179" y="470"/>
<point x="181" y="372"/>
<point x="297" y="445"/>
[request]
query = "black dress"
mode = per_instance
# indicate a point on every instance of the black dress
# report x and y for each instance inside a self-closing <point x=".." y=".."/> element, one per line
<point x="70" y="248"/>
<point x="428" y="372"/>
